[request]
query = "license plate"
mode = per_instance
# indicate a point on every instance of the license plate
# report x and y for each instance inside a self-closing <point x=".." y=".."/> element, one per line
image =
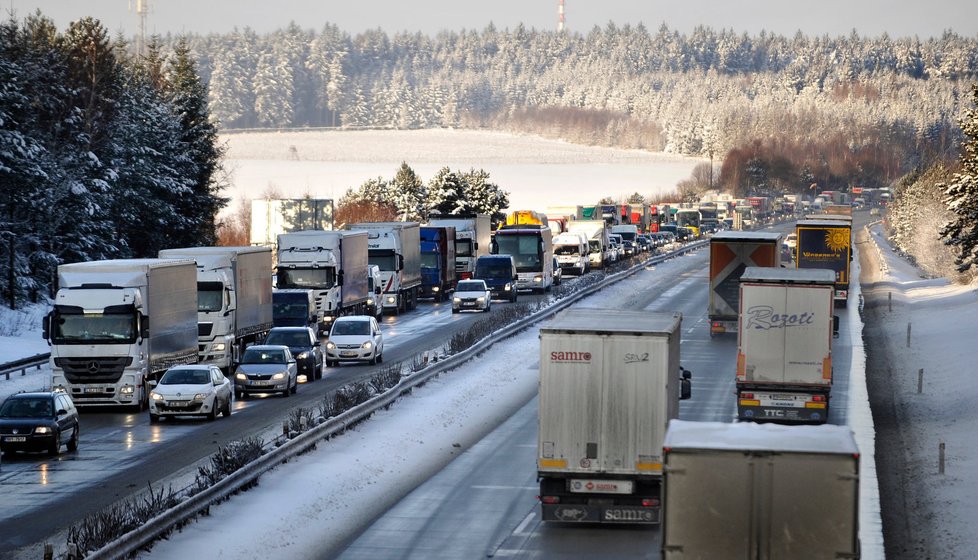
<point x="93" y="389"/>
<point x="348" y="354"/>
<point x="260" y="383"/>
<point x="177" y="404"/>
<point x="15" y="439"/>
<point x="468" y="304"/>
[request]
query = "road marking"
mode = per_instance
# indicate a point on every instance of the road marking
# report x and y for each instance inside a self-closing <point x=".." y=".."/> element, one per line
<point x="521" y="528"/>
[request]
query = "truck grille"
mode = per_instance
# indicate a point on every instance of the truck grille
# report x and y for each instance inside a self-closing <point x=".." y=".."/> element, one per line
<point x="93" y="370"/>
<point x="204" y="329"/>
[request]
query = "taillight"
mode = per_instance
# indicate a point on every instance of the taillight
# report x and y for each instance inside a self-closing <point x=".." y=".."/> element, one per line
<point x="650" y="502"/>
<point x="550" y="499"/>
<point x="818" y="398"/>
<point x="747" y="395"/>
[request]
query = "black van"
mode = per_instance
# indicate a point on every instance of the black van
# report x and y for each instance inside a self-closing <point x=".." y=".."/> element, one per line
<point x="499" y="273"/>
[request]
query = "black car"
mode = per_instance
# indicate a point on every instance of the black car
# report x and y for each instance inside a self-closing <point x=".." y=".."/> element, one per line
<point x="38" y="421"/>
<point x="304" y="345"/>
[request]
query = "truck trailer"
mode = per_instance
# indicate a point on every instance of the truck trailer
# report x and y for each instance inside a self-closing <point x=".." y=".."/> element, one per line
<point x="119" y="324"/>
<point x="760" y="492"/>
<point x="437" y="262"/>
<point x="599" y="244"/>
<point x="234" y="299"/>
<point x="731" y="252"/>
<point x="610" y="382"/>
<point x="827" y="243"/>
<point x="472" y="239"/>
<point x="331" y="263"/>
<point x="395" y="247"/>
<point x="784" y="345"/>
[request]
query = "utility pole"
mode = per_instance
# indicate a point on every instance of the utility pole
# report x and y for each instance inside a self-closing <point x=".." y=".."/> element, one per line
<point x="142" y="10"/>
<point x="560" y="16"/>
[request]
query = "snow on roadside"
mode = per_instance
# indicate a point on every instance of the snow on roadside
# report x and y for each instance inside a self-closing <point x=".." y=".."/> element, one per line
<point x="20" y="337"/>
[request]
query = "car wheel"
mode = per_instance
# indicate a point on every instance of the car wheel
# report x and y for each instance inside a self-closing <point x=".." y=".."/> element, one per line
<point x="73" y="442"/>
<point x="212" y="415"/>
<point x="319" y="371"/>
<point x="239" y="395"/>
<point x="295" y="386"/>
<point x="373" y="360"/>
<point x="55" y="448"/>
<point x="154" y="418"/>
<point x="455" y="310"/>
<point x="227" y="407"/>
<point x="380" y="358"/>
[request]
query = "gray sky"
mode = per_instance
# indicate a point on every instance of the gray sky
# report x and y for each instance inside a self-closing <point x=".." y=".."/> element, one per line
<point x="899" y="18"/>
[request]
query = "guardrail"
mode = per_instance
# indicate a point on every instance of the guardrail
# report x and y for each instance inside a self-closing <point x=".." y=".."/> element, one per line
<point x="24" y="364"/>
<point x="187" y="509"/>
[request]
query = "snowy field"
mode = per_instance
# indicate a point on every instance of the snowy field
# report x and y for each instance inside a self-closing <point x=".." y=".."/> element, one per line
<point x="536" y="172"/>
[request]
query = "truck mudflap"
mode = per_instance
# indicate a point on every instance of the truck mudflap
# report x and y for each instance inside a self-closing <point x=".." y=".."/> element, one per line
<point x="720" y="326"/>
<point x="591" y="513"/>
<point x="771" y="406"/>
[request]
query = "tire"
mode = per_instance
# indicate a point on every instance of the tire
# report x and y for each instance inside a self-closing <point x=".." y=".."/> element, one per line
<point x="154" y="418"/>
<point x="455" y="310"/>
<point x="239" y="395"/>
<point x="73" y="442"/>
<point x="55" y="448"/>
<point x="512" y="298"/>
<point x="295" y="388"/>
<point x="227" y="408"/>
<point x="373" y="360"/>
<point x="212" y="415"/>
<point x="319" y="371"/>
<point x="380" y="358"/>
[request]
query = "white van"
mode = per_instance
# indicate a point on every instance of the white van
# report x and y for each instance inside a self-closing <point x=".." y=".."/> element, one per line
<point x="572" y="252"/>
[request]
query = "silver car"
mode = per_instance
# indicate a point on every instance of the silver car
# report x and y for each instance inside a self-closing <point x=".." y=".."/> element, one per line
<point x="266" y="369"/>
<point x="471" y="294"/>
<point x="355" y="338"/>
<point x="190" y="390"/>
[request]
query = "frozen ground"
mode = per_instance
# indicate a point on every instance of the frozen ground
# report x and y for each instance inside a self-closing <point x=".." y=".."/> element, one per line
<point x="536" y="172"/>
<point x="930" y="325"/>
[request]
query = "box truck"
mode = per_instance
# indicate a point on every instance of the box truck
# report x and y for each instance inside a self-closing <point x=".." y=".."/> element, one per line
<point x="599" y="245"/>
<point x="827" y="243"/>
<point x="731" y="252"/>
<point x="610" y="382"/>
<point x="396" y="248"/>
<point x="234" y="299"/>
<point x="118" y="324"/>
<point x="331" y="263"/>
<point x="472" y="239"/>
<point x="437" y="262"/>
<point x="759" y="492"/>
<point x="784" y="345"/>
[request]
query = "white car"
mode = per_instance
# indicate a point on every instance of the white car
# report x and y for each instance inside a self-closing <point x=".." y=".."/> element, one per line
<point x="190" y="390"/>
<point x="266" y="368"/>
<point x="791" y="240"/>
<point x="471" y="294"/>
<point x="355" y="338"/>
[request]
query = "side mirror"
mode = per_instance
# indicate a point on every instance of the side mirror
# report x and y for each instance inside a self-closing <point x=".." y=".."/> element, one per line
<point x="46" y="327"/>
<point x="144" y="327"/>
<point x="686" y="374"/>
<point x="339" y="279"/>
<point x="400" y="262"/>
<point x="835" y="326"/>
<point x="685" y="389"/>
<point x="62" y="412"/>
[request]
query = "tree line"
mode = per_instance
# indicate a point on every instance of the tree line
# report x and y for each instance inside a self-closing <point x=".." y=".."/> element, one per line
<point x="102" y="155"/>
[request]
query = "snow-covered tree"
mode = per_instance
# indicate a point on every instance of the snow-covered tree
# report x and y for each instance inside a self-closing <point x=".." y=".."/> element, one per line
<point x="409" y="194"/>
<point x="446" y="192"/>
<point x="961" y="195"/>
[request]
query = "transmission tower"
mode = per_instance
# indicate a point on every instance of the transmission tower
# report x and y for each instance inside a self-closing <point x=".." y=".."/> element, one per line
<point x="142" y="10"/>
<point x="560" y="16"/>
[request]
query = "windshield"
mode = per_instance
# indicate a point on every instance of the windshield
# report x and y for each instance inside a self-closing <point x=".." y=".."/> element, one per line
<point x="315" y="278"/>
<point x="594" y="245"/>
<point x="210" y="296"/>
<point x="288" y="338"/>
<point x="93" y="327"/>
<point x="494" y="270"/>
<point x="186" y="377"/>
<point x="471" y="287"/>
<point x="342" y="328"/>
<point x="463" y="247"/>
<point x="525" y="250"/>
<point x="385" y="260"/>
<point x="40" y="407"/>
<point x="627" y="235"/>
<point x="290" y="310"/>
<point x="429" y="260"/>
<point x="567" y="250"/>
<point x="253" y="356"/>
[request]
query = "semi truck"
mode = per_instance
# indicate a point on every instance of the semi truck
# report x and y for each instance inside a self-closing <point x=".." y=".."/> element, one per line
<point x="827" y="243"/>
<point x="532" y="248"/>
<point x="395" y="247"/>
<point x="610" y="382"/>
<point x="437" y="262"/>
<point x="731" y="252"/>
<point x="234" y="299"/>
<point x="599" y="245"/>
<point x="331" y="263"/>
<point x="784" y="345"/>
<point x="760" y="492"/>
<point x="472" y="239"/>
<point x="119" y="324"/>
<point x="294" y="308"/>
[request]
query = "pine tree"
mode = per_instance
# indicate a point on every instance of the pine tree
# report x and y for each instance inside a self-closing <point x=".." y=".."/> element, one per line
<point x="409" y="194"/>
<point x="961" y="195"/>
<point x="446" y="192"/>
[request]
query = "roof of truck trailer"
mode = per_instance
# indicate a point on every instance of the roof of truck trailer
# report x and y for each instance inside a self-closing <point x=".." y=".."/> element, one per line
<point x="823" y="222"/>
<point x="614" y="321"/>
<point x="788" y="275"/>
<point x="747" y="436"/>
<point x="182" y="251"/>
<point x="728" y="235"/>
<point x="126" y="265"/>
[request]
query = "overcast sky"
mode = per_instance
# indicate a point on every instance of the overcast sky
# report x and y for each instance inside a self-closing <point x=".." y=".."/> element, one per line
<point x="898" y="18"/>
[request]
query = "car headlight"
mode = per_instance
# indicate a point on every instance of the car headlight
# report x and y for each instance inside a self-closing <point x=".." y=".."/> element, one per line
<point x="508" y="287"/>
<point x="303" y="355"/>
<point x="482" y="299"/>
<point x="538" y="279"/>
<point x="241" y="377"/>
<point x="330" y="345"/>
<point x="279" y="375"/>
<point x="158" y="397"/>
<point x="200" y="396"/>
<point x="42" y="430"/>
<point x="367" y="345"/>
<point x="435" y="289"/>
<point x="370" y="301"/>
<point x="220" y="346"/>
<point x="457" y="300"/>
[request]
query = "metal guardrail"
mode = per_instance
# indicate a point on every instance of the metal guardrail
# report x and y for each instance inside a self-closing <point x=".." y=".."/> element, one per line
<point x="23" y="365"/>
<point x="187" y="509"/>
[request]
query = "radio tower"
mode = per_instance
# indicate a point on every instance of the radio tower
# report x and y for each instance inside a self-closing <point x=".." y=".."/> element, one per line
<point x="560" y="16"/>
<point x="142" y="10"/>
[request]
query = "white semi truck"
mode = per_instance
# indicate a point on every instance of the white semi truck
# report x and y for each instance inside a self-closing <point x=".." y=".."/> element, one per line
<point x="784" y="344"/>
<point x="234" y="299"/>
<point x="599" y="244"/>
<point x="396" y="248"/>
<point x="472" y="237"/>
<point x="760" y="492"/>
<point x="333" y="264"/>
<point x="610" y="382"/>
<point x="117" y="324"/>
